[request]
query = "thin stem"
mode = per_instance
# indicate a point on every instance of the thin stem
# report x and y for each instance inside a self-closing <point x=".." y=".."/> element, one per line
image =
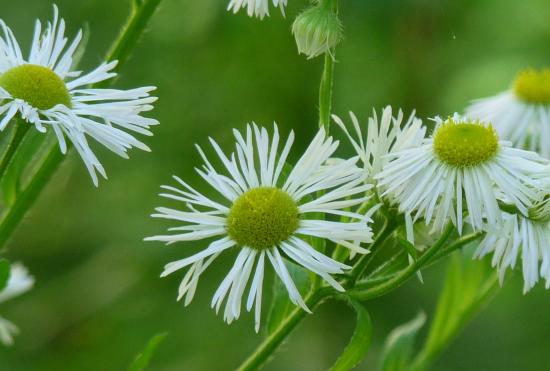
<point x="325" y="91"/>
<point x="142" y="11"/>
<point x="399" y="279"/>
<point x="21" y="128"/>
<point x="457" y="244"/>
<point x="272" y="342"/>
<point x="361" y="266"/>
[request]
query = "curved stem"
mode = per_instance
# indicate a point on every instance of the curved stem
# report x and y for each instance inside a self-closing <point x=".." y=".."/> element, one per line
<point x="142" y="11"/>
<point x="270" y="344"/>
<point x="399" y="279"/>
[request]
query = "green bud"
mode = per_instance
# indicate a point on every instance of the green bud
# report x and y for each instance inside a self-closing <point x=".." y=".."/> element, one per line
<point x="317" y="30"/>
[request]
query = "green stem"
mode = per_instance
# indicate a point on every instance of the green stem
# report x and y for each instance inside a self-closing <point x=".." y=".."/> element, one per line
<point x="361" y="265"/>
<point x="457" y="244"/>
<point x="142" y="11"/>
<point x="21" y="128"/>
<point x="325" y="92"/>
<point x="272" y="342"/>
<point x="396" y="281"/>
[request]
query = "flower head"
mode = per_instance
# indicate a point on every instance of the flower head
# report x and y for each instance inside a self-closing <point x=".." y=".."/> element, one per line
<point x="381" y="137"/>
<point x="256" y="8"/>
<point x="520" y="236"/>
<point x="463" y="159"/>
<point x="46" y="91"/>
<point x="19" y="282"/>
<point x="522" y="113"/>
<point x="267" y="213"/>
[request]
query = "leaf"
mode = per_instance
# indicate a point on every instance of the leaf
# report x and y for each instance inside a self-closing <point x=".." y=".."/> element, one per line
<point x="398" y="348"/>
<point x="25" y="156"/>
<point x="469" y="285"/>
<point x="4" y="273"/>
<point x="142" y="360"/>
<point x="359" y="343"/>
<point x="281" y="305"/>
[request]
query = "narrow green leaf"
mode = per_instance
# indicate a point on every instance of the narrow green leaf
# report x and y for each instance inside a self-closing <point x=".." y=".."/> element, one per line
<point x="4" y="273"/>
<point x="281" y="305"/>
<point x="142" y="360"/>
<point x="398" y="348"/>
<point x="360" y="341"/>
<point x="469" y="285"/>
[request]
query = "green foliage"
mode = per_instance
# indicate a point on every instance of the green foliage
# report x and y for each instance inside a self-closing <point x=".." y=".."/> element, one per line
<point x="281" y="305"/>
<point x="398" y="349"/>
<point x="4" y="273"/>
<point x="360" y="341"/>
<point x="141" y="362"/>
<point x="468" y="286"/>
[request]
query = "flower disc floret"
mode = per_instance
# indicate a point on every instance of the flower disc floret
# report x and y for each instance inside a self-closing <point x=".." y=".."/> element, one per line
<point x="533" y="86"/>
<point x="262" y="218"/>
<point x="465" y="143"/>
<point x="37" y="85"/>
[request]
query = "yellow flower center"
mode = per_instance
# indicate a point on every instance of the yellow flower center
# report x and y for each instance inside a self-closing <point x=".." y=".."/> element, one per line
<point x="466" y="143"/>
<point x="262" y="218"/>
<point x="533" y="86"/>
<point x="37" y="85"/>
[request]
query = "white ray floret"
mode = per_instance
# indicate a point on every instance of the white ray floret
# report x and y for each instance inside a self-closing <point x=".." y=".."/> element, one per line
<point x="462" y="160"/>
<point x="256" y="8"/>
<point x="269" y="215"/>
<point x="377" y="139"/>
<point x="46" y="91"/>
<point x="519" y="237"/>
<point x="19" y="282"/>
<point x="522" y="113"/>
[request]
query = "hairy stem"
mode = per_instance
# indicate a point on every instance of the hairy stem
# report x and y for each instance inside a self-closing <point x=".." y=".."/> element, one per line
<point x="142" y="11"/>
<point x="325" y="92"/>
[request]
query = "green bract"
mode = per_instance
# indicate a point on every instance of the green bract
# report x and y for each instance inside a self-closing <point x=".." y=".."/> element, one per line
<point x="463" y="144"/>
<point x="37" y="85"/>
<point x="533" y="85"/>
<point x="262" y="218"/>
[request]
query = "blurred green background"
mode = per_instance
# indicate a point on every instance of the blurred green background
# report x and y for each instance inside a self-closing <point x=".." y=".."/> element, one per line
<point x="98" y="297"/>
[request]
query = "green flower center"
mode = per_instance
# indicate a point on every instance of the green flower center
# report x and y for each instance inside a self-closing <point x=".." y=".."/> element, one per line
<point x="262" y="217"/>
<point x="533" y="86"/>
<point x="37" y="85"/>
<point x="463" y="144"/>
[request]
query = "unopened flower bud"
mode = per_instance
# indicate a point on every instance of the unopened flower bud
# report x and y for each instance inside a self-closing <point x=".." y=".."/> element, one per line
<point x="317" y="30"/>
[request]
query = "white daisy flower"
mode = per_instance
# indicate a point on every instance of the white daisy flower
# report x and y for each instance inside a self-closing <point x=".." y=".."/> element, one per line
<point x="462" y="159"/>
<point x="380" y="138"/>
<point x="523" y="236"/>
<point x="522" y="113"/>
<point x="47" y="92"/>
<point x="256" y="8"/>
<point x="19" y="282"/>
<point x="266" y="214"/>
